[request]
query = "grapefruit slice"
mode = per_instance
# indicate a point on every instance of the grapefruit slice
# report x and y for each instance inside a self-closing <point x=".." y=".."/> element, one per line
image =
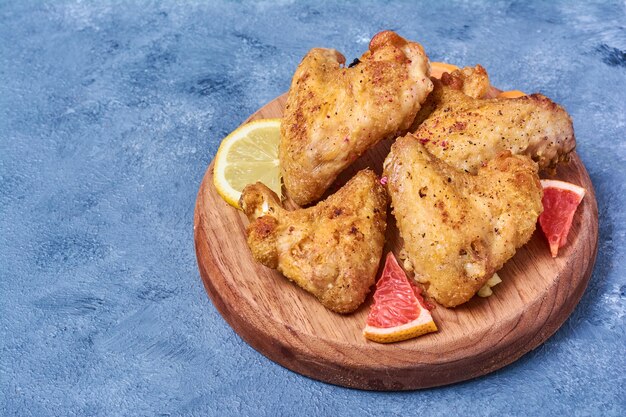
<point x="560" y="201"/>
<point x="399" y="312"/>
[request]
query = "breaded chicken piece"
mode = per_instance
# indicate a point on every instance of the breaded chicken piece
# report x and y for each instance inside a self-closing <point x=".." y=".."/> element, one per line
<point x="459" y="228"/>
<point x="471" y="81"/>
<point x="467" y="132"/>
<point x="334" y="113"/>
<point x="333" y="249"/>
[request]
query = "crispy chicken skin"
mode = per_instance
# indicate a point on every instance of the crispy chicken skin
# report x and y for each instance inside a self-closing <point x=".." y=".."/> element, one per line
<point x="466" y="131"/>
<point x="458" y="228"/>
<point x="332" y="249"/>
<point x="472" y="81"/>
<point x="334" y="113"/>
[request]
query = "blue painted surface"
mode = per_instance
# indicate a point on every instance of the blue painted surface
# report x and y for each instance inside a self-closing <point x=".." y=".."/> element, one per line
<point x="109" y="115"/>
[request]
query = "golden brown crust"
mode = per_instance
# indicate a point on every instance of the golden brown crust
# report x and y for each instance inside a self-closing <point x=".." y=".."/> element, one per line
<point x="334" y="114"/>
<point x="459" y="228"/>
<point x="472" y="81"/>
<point x="332" y="249"/>
<point x="467" y="132"/>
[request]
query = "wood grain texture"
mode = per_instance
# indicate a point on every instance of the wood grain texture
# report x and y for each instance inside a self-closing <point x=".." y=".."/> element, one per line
<point x="292" y="328"/>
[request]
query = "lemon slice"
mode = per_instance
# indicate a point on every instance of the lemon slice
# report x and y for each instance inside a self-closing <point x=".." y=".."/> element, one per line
<point x="249" y="154"/>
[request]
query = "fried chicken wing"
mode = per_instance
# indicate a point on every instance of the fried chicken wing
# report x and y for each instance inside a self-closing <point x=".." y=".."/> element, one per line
<point x="471" y="81"/>
<point x="466" y="132"/>
<point x="332" y="250"/>
<point x="335" y="113"/>
<point x="458" y="228"/>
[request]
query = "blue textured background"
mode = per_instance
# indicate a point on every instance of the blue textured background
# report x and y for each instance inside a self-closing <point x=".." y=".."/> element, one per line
<point x="110" y="113"/>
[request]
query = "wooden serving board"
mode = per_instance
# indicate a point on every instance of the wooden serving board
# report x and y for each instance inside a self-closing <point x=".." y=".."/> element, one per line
<point x="292" y="328"/>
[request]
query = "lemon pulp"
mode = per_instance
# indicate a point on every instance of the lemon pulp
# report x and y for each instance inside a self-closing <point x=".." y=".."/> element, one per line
<point x="249" y="154"/>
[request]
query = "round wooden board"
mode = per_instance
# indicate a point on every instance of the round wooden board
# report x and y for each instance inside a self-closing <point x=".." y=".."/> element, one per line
<point x="291" y="327"/>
